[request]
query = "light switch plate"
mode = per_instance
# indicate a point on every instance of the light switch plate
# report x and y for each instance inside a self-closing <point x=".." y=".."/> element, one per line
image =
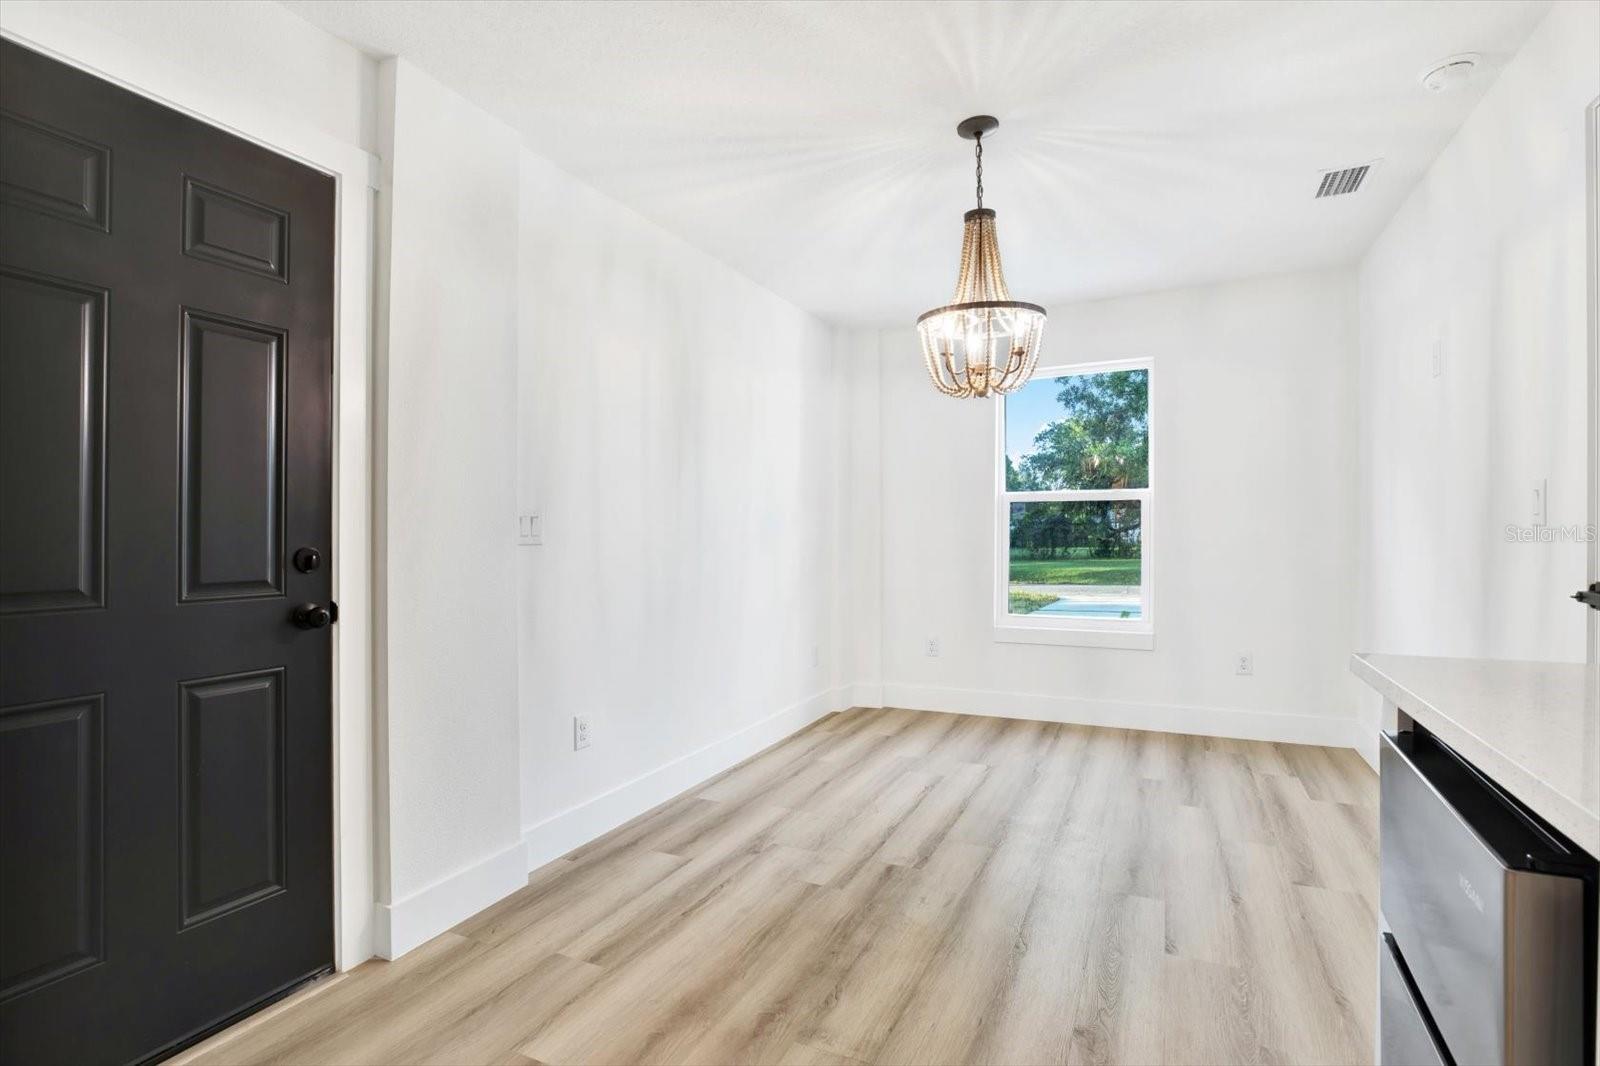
<point x="1541" y="501"/>
<point x="530" y="529"/>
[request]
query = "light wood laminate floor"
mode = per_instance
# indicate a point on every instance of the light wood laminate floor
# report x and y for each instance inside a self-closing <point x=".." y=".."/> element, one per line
<point x="908" y="887"/>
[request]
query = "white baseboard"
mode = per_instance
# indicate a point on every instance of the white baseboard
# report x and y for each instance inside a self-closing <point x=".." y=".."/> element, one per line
<point x="577" y="825"/>
<point x="423" y="915"/>
<point x="865" y="694"/>
<point x="1364" y="736"/>
<point x="1365" y="742"/>
<point x="1161" y="717"/>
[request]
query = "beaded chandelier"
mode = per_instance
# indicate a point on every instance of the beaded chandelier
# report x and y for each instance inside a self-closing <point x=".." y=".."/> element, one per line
<point x="982" y="343"/>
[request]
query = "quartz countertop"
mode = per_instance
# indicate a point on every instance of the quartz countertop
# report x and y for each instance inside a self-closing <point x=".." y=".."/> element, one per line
<point x="1524" y="724"/>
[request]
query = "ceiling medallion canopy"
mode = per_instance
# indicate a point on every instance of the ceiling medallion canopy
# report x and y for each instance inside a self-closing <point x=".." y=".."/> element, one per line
<point x="982" y="343"/>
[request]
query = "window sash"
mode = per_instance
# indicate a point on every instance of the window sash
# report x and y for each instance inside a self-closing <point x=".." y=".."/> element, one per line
<point x="1003" y="615"/>
<point x="1004" y="498"/>
<point x="1075" y="496"/>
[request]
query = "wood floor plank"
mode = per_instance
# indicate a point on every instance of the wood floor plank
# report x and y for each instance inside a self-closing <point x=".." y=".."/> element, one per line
<point x="1334" y="775"/>
<point x="1229" y="791"/>
<point x="639" y="919"/>
<point x="927" y="734"/>
<point x="1200" y="926"/>
<point x="1346" y="962"/>
<point x="1261" y="757"/>
<point x="483" y="1020"/>
<point x="553" y="910"/>
<point x="1117" y="1017"/>
<point x="1025" y="1020"/>
<point x="805" y="1055"/>
<point x="1300" y="1007"/>
<point x="921" y="831"/>
<point x="873" y="991"/>
<point x="894" y="886"/>
<point x="965" y="977"/>
<point x="758" y="774"/>
<point x="1206" y="1014"/>
<point x="654" y="1009"/>
<point x="860" y="835"/>
<point x="761" y="1015"/>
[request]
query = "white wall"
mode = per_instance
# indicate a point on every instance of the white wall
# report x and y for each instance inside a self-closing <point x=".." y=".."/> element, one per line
<point x="860" y="531"/>
<point x="448" y="727"/>
<point x="1253" y="444"/>
<point x="1488" y="253"/>
<point x="677" y="438"/>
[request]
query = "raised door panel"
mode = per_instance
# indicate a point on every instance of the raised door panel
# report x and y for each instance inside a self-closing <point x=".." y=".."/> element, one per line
<point x="232" y="456"/>
<point x="54" y="173"/>
<point x="233" y="230"/>
<point x="52" y="443"/>
<point x="51" y="867"/>
<point x="232" y="736"/>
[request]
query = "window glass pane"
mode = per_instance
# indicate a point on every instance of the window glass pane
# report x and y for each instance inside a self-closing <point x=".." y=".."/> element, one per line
<point x="1075" y="560"/>
<point x="1085" y="431"/>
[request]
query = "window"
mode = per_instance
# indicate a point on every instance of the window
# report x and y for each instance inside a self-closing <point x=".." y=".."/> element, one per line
<point x="1074" y="508"/>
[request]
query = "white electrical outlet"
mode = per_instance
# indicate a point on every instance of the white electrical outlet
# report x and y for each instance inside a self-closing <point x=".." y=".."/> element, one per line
<point x="1541" y="501"/>
<point x="580" y="732"/>
<point x="1244" y="664"/>
<point x="933" y="648"/>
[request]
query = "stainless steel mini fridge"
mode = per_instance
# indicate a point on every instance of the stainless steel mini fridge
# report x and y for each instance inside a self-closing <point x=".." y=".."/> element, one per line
<point x="1487" y="952"/>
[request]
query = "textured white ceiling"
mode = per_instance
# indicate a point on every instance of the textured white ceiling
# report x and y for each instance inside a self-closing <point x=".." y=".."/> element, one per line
<point x="1143" y="144"/>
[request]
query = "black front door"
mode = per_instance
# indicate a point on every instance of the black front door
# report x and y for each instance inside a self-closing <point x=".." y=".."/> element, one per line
<point x="166" y="295"/>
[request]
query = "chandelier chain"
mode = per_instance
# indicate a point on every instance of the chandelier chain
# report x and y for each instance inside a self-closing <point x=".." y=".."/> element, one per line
<point x="979" y="153"/>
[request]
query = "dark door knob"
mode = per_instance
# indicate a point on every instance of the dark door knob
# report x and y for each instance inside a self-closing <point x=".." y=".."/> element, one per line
<point x="312" y="616"/>
<point x="307" y="560"/>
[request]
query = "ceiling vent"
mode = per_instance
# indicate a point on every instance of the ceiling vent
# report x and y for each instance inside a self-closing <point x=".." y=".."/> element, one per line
<point x="1340" y="182"/>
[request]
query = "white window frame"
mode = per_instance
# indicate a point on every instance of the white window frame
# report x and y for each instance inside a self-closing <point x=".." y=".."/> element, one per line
<point x="1133" y="633"/>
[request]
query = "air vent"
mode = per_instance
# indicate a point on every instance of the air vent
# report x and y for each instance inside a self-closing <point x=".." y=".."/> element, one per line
<point x="1339" y="182"/>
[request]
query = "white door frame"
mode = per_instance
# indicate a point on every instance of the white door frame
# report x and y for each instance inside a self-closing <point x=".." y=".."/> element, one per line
<point x="1592" y="295"/>
<point x="1591" y="693"/>
<point x="356" y="172"/>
